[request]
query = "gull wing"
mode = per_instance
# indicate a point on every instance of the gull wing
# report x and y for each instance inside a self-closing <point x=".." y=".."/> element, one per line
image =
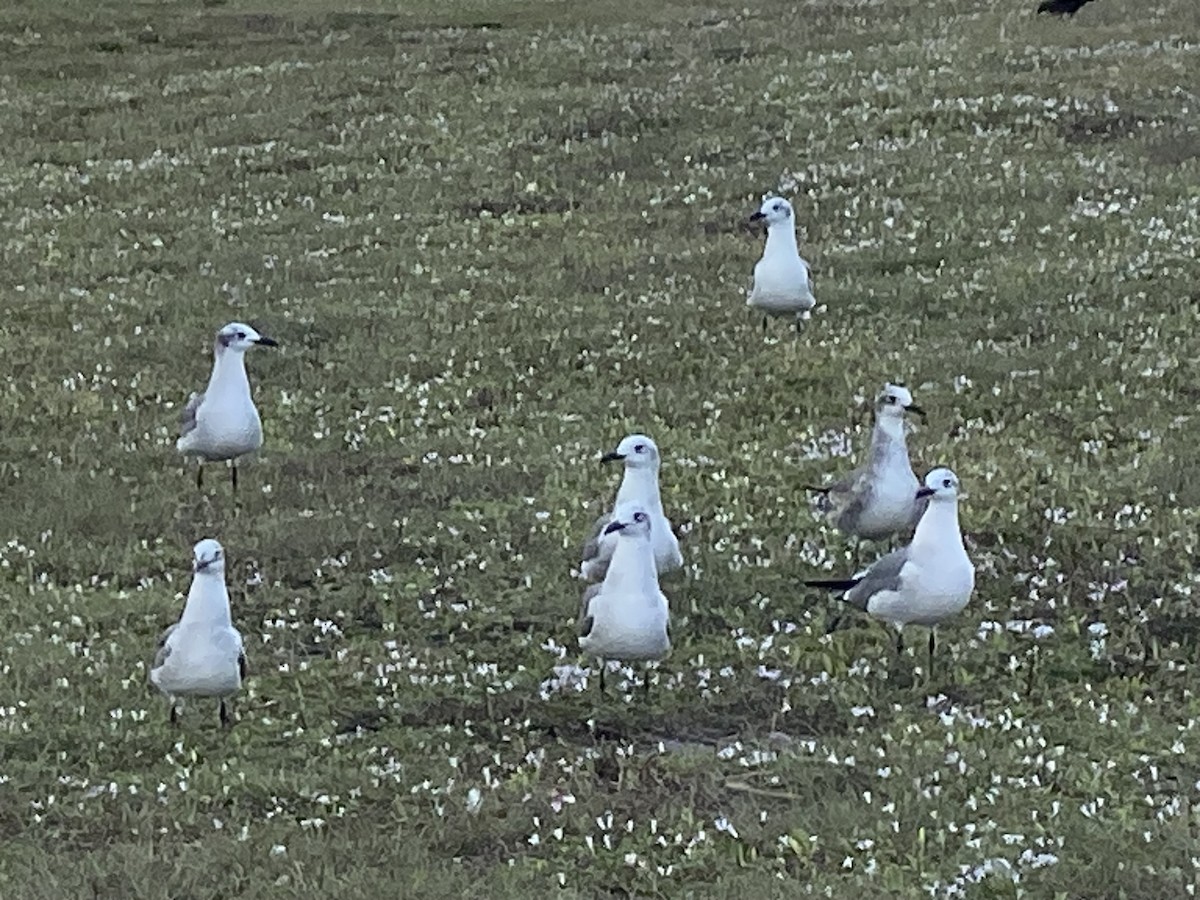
<point x="884" y="575"/>
<point x="586" y="619"/>
<point x="187" y="419"/>
<point x="163" y="649"/>
<point x="594" y="561"/>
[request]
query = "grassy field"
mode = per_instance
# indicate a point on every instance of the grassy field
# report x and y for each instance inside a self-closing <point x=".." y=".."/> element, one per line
<point x="493" y="237"/>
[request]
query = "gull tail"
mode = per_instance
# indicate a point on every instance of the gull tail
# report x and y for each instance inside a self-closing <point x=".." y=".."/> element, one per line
<point x="834" y="584"/>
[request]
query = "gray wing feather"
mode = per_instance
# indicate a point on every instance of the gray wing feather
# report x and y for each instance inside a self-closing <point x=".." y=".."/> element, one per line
<point x="844" y="493"/>
<point x="585" y="619"/>
<point x="187" y="419"/>
<point x="591" y="547"/>
<point x="163" y="651"/>
<point x="884" y="575"/>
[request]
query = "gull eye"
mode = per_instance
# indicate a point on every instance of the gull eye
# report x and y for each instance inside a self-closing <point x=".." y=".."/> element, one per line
<point x="241" y="335"/>
<point x="639" y="517"/>
<point x="640" y="448"/>
<point x="892" y="399"/>
<point x="947" y="483"/>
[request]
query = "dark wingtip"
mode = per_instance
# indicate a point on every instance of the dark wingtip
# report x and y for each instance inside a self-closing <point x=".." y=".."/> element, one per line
<point x="833" y="584"/>
<point x="818" y="488"/>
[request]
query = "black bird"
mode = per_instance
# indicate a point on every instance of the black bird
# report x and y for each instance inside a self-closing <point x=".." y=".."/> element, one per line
<point x="1062" y="7"/>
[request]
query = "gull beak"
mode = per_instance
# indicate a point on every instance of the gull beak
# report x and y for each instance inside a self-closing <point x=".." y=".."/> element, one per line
<point x="266" y="342"/>
<point x="201" y="564"/>
<point x="913" y="408"/>
<point x="925" y="492"/>
<point x="756" y="216"/>
<point x="614" y="526"/>
<point x="612" y="457"/>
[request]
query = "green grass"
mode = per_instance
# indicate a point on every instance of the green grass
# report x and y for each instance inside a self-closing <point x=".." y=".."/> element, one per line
<point x="490" y="252"/>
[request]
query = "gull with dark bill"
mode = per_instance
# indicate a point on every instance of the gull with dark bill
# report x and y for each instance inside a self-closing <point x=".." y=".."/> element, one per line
<point x="879" y="499"/>
<point x="626" y="617"/>
<point x="222" y="423"/>
<point x="201" y="655"/>
<point x="782" y="280"/>
<point x="924" y="583"/>
<point x="639" y="486"/>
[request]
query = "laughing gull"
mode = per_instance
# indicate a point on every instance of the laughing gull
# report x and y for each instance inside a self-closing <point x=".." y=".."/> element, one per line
<point x="639" y="486"/>
<point x="924" y="583"/>
<point x="626" y="617"/>
<point x="879" y="499"/>
<point x="222" y="423"/>
<point x="782" y="280"/>
<point x="201" y="655"/>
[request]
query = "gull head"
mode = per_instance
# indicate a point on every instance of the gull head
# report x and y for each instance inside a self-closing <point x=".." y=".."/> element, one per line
<point x="638" y="452"/>
<point x="239" y="338"/>
<point x="895" y="400"/>
<point x="629" y="522"/>
<point x="940" y="484"/>
<point x="208" y="557"/>
<point x="773" y="211"/>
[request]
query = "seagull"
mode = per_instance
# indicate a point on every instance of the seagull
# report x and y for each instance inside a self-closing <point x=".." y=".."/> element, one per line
<point x="1062" y="7"/>
<point x="626" y="616"/>
<point x="222" y="422"/>
<point x="879" y="499"/>
<point x="201" y="655"/>
<point x="782" y="280"/>
<point x="924" y="583"/>
<point x="639" y="486"/>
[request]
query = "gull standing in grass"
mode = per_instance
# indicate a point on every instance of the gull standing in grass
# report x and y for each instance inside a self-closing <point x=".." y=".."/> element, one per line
<point x="924" y="583"/>
<point x="201" y="655"/>
<point x="879" y="499"/>
<point x="626" y="616"/>
<point x="639" y="486"/>
<point x="782" y="280"/>
<point x="223" y="423"/>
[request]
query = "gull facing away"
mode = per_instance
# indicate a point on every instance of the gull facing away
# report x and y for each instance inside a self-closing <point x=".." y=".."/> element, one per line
<point x="222" y="423"/>
<point x="782" y="280"/>
<point x="880" y="498"/>
<point x="924" y="583"/>
<point x="639" y="486"/>
<point x="201" y="655"/>
<point x="626" y="616"/>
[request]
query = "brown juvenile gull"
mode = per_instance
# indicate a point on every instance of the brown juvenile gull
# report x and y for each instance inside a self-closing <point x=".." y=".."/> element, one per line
<point x="878" y="499"/>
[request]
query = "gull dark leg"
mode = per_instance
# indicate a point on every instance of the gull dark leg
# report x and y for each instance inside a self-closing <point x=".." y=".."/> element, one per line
<point x="932" y="643"/>
<point x="602" y="676"/>
<point x="646" y="681"/>
<point x="233" y="476"/>
<point x="899" y="642"/>
<point x="225" y="720"/>
<point x="764" y="324"/>
<point x="174" y="714"/>
<point x="200" y="476"/>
